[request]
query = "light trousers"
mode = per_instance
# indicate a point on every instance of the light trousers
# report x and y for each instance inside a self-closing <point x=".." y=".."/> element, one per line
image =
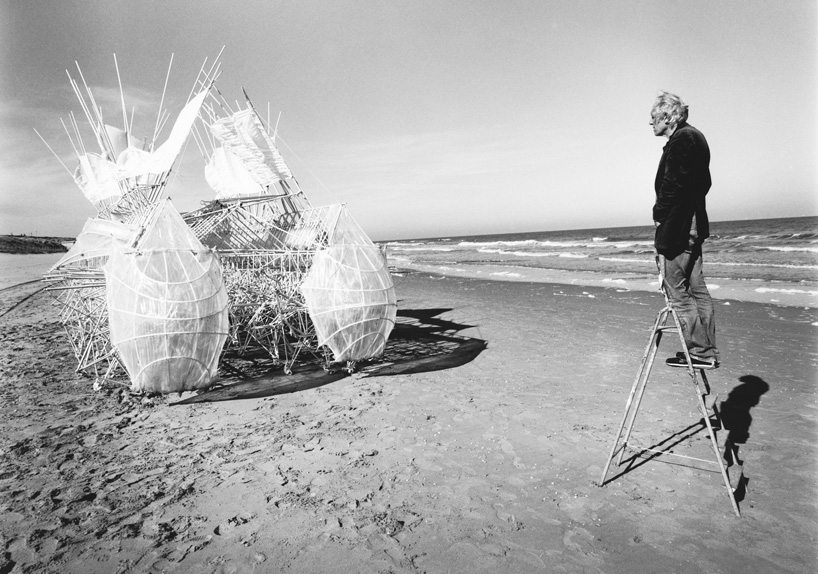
<point x="685" y="285"/>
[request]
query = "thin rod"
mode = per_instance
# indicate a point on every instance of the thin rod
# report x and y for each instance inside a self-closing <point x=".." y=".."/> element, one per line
<point x="87" y="111"/>
<point x="216" y="63"/>
<point x="98" y="127"/>
<point x="122" y="100"/>
<point x="162" y="123"/>
<point x="275" y="131"/>
<point x="223" y="103"/>
<point x="161" y="103"/>
<point x="55" y="155"/>
<point x="197" y="137"/>
<point x="65" y="127"/>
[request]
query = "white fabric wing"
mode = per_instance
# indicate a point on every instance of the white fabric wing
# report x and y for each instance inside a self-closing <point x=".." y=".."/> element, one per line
<point x="243" y="135"/>
<point x="134" y="162"/>
<point x="118" y="139"/>
<point x="227" y="176"/>
<point x="96" y="178"/>
<point x="95" y="242"/>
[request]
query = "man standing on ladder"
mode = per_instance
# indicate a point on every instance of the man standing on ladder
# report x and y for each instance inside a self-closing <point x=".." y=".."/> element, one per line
<point x="679" y="214"/>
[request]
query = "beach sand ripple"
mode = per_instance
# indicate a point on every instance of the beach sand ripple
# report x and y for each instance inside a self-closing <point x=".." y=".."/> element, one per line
<point x="474" y="445"/>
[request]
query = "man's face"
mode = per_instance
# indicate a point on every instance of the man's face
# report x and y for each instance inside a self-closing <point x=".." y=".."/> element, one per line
<point x="659" y="122"/>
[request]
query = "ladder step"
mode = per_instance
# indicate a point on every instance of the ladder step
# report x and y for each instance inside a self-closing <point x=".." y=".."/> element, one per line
<point x="697" y="367"/>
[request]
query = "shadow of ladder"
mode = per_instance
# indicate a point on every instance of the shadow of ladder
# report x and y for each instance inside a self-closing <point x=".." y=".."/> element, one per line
<point x="700" y="386"/>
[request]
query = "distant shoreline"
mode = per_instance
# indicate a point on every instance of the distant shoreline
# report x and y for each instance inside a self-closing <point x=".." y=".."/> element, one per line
<point x="642" y="229"/>
<point x="722" y="289"/>
<point x="29" y="244"/>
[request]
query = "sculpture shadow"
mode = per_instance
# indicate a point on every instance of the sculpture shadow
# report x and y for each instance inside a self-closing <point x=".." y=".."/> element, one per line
<point x="255" y="382"/>
<point x="420" y="342"/>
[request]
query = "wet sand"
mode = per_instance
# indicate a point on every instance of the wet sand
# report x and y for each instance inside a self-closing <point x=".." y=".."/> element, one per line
<point x="475" y="445"/>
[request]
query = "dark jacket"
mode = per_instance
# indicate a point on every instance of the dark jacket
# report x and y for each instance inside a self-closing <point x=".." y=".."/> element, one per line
<point x="682" y="182"/>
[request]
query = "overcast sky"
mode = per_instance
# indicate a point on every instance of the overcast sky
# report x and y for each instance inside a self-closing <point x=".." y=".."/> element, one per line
<point x="433" y="118"/>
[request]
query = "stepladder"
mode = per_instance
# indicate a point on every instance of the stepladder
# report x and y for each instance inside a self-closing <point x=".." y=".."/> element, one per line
<point x="626" y="451"/>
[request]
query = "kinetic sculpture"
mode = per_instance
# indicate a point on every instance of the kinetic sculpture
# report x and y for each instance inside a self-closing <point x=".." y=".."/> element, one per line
<point x="124" y="180"/>
<point x="269" y="239"/>
<point x="297" y="278"/>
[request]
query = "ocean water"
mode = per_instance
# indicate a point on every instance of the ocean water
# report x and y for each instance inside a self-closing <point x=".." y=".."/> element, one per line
<point x="763" y="260"/>
<point x="22" y="268"/>
<point x="772" y="257"/>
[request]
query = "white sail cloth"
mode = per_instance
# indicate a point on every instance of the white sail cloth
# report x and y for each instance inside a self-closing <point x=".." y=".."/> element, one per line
<point x="95" y="242"/>
<point x="350" y="295"/>
<point x="118" y="140"/>
<point x="243" y="135"/>
<point x="99" y="178"/>
<point x="167" y="307"/>
<point x="227" y="176"/>
<point x="134" y="161"/>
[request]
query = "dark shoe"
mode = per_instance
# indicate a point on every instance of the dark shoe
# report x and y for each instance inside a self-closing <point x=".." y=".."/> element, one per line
<point x="681" y="361"/>
<point x="681" y="355"/>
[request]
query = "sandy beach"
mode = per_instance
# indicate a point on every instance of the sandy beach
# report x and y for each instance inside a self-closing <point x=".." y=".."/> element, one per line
<point x="475" y="445"/>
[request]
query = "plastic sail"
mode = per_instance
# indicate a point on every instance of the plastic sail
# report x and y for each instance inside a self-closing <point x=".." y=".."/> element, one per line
<point x="227" y="176"/>
<point x="134" y="161"/>
<point x="350" y="295"/>
<point x="243" y="135"/>
<point x="167" y="307"/>
<point x="97" y="178"/>
<point x="95" y="242"/>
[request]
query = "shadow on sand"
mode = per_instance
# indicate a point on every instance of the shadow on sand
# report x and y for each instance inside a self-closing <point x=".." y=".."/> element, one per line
<point x="420" y="342"/>
<point x="642" y="456"/>
<point x="735" y="417"/>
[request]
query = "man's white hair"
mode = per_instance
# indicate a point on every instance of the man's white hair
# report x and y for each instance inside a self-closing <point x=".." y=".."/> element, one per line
<point x="669" y="107"/>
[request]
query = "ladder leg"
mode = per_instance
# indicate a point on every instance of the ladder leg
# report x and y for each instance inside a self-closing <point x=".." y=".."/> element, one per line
<point x="652" y="350"/>
<point x="637" y="390"/>
<point x="713" y="442"/>
<point x="700" y="394"/>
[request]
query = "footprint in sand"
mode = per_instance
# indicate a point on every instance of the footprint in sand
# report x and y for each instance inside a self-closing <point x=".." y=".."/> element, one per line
<point x="581" y="542"/>
<point x="230" y="524"/>
<point x="509" y="450"/>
